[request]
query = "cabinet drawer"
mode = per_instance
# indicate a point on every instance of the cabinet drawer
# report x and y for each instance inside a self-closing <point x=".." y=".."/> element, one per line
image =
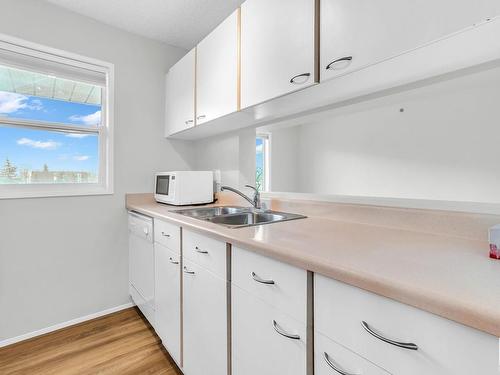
<point x="168" y="235"/>
<point x="444" y="347"/>
<point x="257" y="347"/>
<point x="330" y="358"/>
<point x="205" y="251"/>
<point x="279" y="284"/>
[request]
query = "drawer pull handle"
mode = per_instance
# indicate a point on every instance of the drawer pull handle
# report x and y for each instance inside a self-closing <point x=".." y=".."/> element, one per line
<point x="403" y="345"/>
<point x="165" y="234"/>
<point x="330" y="363"/>
<point x="262" y="281"/>
<point x="173" y="261"/>
<point x="187" y="122"/>
<point x="278" y="329"/>
<point x="347" y="60"/>
<point x="304" y="76"/>
<point x="198" y="250"/>
<point x="187" y="271"/>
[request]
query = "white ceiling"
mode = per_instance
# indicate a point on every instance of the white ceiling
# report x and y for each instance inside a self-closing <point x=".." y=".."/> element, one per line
<point x="181" y="23"/>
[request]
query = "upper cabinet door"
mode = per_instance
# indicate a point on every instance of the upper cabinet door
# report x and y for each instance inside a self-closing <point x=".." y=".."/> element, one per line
<point x="217" y="71"/>
<point x="357" y="33"/>
<point x="277" y="48"/>
<point x="180" y="86"/>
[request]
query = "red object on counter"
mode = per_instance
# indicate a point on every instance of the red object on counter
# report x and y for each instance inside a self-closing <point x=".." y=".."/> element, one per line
<point x="494" y="251"/>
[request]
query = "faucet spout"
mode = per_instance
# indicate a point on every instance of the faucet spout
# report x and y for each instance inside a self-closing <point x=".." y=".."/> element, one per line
<point x="255" y="201"/>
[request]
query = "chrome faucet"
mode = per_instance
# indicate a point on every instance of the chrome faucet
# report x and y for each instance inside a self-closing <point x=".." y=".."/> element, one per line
<point x="256" y="198"/>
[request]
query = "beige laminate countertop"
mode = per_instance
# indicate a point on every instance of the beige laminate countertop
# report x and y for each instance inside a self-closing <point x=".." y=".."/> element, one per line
<point x="445" y="275"/>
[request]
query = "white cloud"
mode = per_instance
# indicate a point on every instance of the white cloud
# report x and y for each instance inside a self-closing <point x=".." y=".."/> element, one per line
<point x="81" y="157"/>
<point x="48" y="145"/>
<point x="259" y="148"/>
<point x="35" y="104"/>
<point x="92" y="119"/>
<point x="76" y="135"/>
<point x="11" y="102"/>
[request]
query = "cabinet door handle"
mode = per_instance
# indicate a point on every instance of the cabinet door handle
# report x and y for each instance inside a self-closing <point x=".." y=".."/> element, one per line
<point x="403" y="345"/>
<point x="330" y="363"/>
<point x="262" y="281"/>
<point x="303" y="75"/>
<point x="165" y="234"/>
<point x="278" y="329"/>
<point x="187" y="122"/>
<point x="173" y="261"/>
<point x="198" y="250"/>
<point x="187" y="271"/>
<point x="201" y="117"/>
<point x="347" y="59"/>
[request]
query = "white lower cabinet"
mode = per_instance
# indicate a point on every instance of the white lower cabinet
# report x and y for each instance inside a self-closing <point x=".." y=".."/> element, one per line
<point x="332" y="358"/>
<point x="400" y="338"/>
<point x="205" y="321"/>
<point x="270" y="329"/>
<point x="265" y="341"/>
<point x="168" y="300"/>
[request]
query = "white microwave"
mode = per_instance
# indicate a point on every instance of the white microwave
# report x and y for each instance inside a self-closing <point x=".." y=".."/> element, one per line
<point x="184" y="187"/>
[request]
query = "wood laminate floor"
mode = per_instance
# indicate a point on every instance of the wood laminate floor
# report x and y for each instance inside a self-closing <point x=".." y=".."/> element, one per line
<point x="121" y="343"/>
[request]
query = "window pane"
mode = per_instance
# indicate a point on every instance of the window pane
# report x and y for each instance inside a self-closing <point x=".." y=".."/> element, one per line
<point x="29" y="95"/>
<point x="28" y="107"/>
<point x="30" y="156"/>
<point x="259" y="163"/>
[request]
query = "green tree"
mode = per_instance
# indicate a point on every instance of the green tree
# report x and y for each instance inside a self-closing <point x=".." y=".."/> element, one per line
<point x="8" y="170"/>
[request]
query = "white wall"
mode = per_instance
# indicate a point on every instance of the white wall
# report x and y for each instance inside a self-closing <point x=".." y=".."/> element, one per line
<point x="231" y="153"/>
<point x="62" y="258"/>
<point x="284" y="160"/>
<point x="443" y="146"/>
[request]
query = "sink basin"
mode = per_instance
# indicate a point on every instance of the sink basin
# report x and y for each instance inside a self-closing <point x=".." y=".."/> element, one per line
<point x="237" y="217"/>
<point x="249" y="218"/>
<point x="209" y="212"/>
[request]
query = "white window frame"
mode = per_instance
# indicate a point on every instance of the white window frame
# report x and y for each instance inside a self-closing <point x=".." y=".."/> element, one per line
<point x="266" y="150"/>
<point x="104" y="131"/>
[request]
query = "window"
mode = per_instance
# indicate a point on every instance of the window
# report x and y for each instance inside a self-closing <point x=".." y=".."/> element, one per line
<point x="262" y="151"/>
<point x="55" y="122"/>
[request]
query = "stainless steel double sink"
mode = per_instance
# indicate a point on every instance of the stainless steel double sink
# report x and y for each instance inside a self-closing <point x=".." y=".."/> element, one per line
<point x="237" y="217"/>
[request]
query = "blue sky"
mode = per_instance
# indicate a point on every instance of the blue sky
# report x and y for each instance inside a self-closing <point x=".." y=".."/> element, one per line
<point x="31" y="149"/>
<point x="259" y="155"/>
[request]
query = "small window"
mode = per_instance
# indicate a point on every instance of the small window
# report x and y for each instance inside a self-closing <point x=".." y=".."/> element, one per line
<point x="262" y="162"/>
<point x="55" y="123"/>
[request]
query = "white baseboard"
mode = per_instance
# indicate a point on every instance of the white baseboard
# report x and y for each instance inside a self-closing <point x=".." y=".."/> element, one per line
<point x="55" y="327"/>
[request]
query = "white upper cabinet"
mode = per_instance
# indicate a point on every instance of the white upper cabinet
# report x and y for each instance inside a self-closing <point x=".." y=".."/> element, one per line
<point x="217" y="71"/>
<point x="357" y="33"/>
<point x="277" y="48"/>
<point x="180" y="91"/>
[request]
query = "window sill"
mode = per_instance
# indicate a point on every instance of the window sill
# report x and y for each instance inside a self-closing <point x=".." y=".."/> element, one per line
<point x="51" y="191"/>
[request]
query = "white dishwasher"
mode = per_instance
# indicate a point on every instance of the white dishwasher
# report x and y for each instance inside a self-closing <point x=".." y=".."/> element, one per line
<point x="141" y="263"/>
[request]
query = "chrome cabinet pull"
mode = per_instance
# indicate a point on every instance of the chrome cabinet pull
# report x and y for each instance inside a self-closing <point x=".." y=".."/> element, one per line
<point x="187" y="271"/>
<point x="303" y="75"/>
<point x="173" y="261"/>
<point x="347" y="59"/>
<point x="187" y="122"/>
<point x="334" y="367"/>
<point x="283" y="333"/>
<point x="403" y="345"/>
<point x="201" y="117"/>
<point x="165" y="234"/>
<point x="198" y="250"/>
<point x="262" y="281"/>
